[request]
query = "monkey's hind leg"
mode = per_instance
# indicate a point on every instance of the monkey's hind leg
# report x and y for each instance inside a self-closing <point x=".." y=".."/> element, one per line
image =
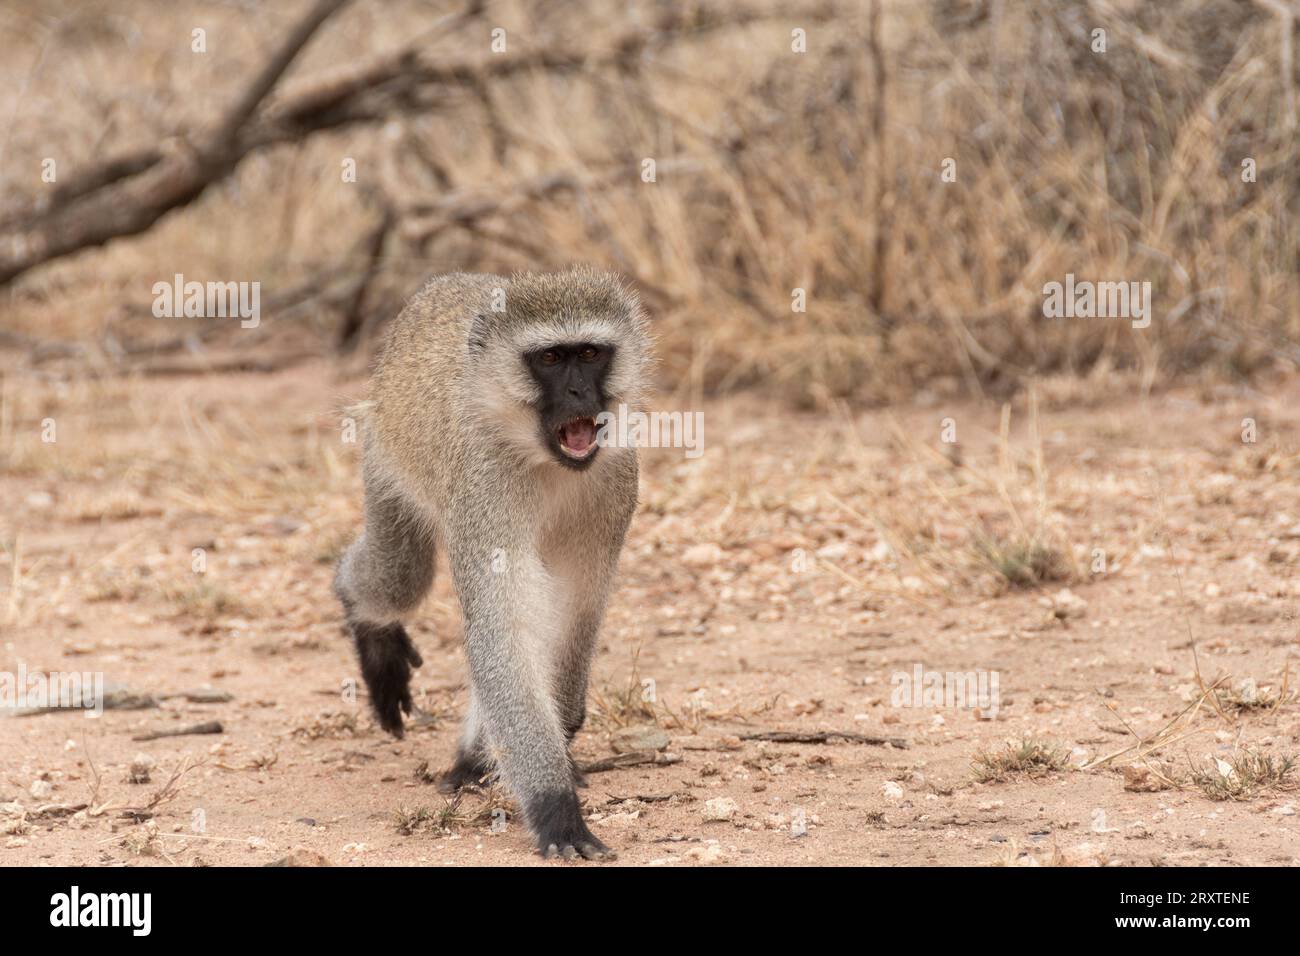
<point x="383" y="576"/>
<point x="474" y="767"/>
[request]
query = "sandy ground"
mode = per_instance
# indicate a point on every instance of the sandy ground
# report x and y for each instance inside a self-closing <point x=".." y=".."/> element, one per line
<point x="777" y="583"/>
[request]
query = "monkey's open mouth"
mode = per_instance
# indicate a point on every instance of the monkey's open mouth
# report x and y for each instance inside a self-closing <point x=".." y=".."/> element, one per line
<point x="578" y="438"/>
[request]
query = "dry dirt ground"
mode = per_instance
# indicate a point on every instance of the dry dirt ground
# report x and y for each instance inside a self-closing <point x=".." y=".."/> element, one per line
<point x="777" y="583"/>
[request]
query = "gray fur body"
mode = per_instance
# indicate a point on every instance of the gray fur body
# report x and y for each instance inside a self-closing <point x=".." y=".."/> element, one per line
<point x="453" y="461"/>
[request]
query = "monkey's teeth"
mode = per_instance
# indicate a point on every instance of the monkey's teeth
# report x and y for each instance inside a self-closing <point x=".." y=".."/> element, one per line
<point x="578" y="438"/>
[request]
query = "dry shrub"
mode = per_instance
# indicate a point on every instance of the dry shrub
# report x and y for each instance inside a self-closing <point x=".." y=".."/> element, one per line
<point x="777" y="171"/>
<point x="1029" y="757"/>
<point x="1244" y="775"/>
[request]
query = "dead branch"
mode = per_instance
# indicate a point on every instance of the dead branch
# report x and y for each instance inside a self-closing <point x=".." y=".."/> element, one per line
<point x="825" y="737"/>
<point x="226" y="131"/>
<point x="94" y="212"/>
<point x="207" y="727"/>
<point x="633" y="758"/>
<point x="423" y="221"/>
<point x="165" y="793"/>
<point x="127" y="194"/>
<point x="354" y="313"/>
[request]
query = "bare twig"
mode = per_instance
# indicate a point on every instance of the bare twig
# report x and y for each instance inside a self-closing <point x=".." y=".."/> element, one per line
<point x="166" y="792"/>
<point x="354" y="314"/>
<point x="825" y="737"/>
<point x="633" y="758"/>
<point x="423" y="221"/>
<point x="127" y="195"/>
<point x="207" y="727"/>
<point x="223" y="136"/>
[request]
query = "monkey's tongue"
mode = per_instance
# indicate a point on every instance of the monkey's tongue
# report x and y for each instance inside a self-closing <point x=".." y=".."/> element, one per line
<point x="578" y="436"/>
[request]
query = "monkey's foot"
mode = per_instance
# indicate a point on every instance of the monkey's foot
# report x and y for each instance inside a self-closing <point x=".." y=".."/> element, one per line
<point x="561" y="832"/>
<point x="387" y="659"/>
<point x="469" y="770"/>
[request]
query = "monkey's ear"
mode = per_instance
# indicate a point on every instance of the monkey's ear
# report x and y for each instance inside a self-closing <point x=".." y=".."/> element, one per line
<point x="478" y="333"/>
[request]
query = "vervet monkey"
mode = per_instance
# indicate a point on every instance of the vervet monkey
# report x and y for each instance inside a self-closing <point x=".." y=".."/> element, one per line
<point x="481" y="439"/>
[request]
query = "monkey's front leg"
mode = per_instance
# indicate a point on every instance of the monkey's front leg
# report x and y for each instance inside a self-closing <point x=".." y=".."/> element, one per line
<point x="473" y="766"/>
<point x="572" y="671"/>
<point x="507" y="632"/>
<point x="573" y="660"/>
<point x="383" y="576"/>
<point x="587" y="565"/>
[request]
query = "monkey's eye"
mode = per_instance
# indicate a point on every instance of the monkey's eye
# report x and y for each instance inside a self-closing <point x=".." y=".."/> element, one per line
<point x="550" y="357"/>
<point x="589" y="353"/>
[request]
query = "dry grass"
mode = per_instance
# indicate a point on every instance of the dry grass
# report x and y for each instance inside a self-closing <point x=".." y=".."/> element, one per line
<point x="1029" y="757"/>
<point x="614" y="706"/>
<point x="971" y="521"/>
<point x="1023" y="562"/>
<point x="203" y="601"/>
<point x="637" y="701"/>
<point x="1248" y="773"/>
<point x="778" y="171"/>
<point x="453" y="814"/>
<point x="329" y="725"/>
<point x="1247" y="697"/>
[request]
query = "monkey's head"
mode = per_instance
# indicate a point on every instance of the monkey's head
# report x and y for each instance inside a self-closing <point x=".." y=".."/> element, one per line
<point x="566" y="346"/>
<point x="571" y="377"/>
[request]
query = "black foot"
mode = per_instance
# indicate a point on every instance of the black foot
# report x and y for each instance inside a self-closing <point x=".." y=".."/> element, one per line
<point x="561" y="832"/>
<point x="387" y="658"/>
<point x="469" y="770"/>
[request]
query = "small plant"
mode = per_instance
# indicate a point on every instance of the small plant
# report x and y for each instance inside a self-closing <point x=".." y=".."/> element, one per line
<point x="411" y="820"/>
<point x="1030" y="757"/>
<point x="452" y="815"/>
<point x="1023" y="563"/>
<point x="1247" y="697"/>
<point x="204" y="601"/>
<point x="328" y="725"/>
<point x="1243" y="776"/>
<point x="144" y="841"/>
<point x="615" y="707"/>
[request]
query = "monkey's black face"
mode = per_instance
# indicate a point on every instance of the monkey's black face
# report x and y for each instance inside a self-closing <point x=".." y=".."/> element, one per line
<point x="572" y="382"/>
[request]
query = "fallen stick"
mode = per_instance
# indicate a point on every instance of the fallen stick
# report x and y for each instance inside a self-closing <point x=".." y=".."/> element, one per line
<point x="634" y="758"/>
<point x="208" y="727"/>
<point x="643" y="797"/>
<point x="112" y="700"/>
<point x="57" y="810"/>
<point x="203" y="695"/>
<point x="131" y="193"/>
<point x="826" y="736"/>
